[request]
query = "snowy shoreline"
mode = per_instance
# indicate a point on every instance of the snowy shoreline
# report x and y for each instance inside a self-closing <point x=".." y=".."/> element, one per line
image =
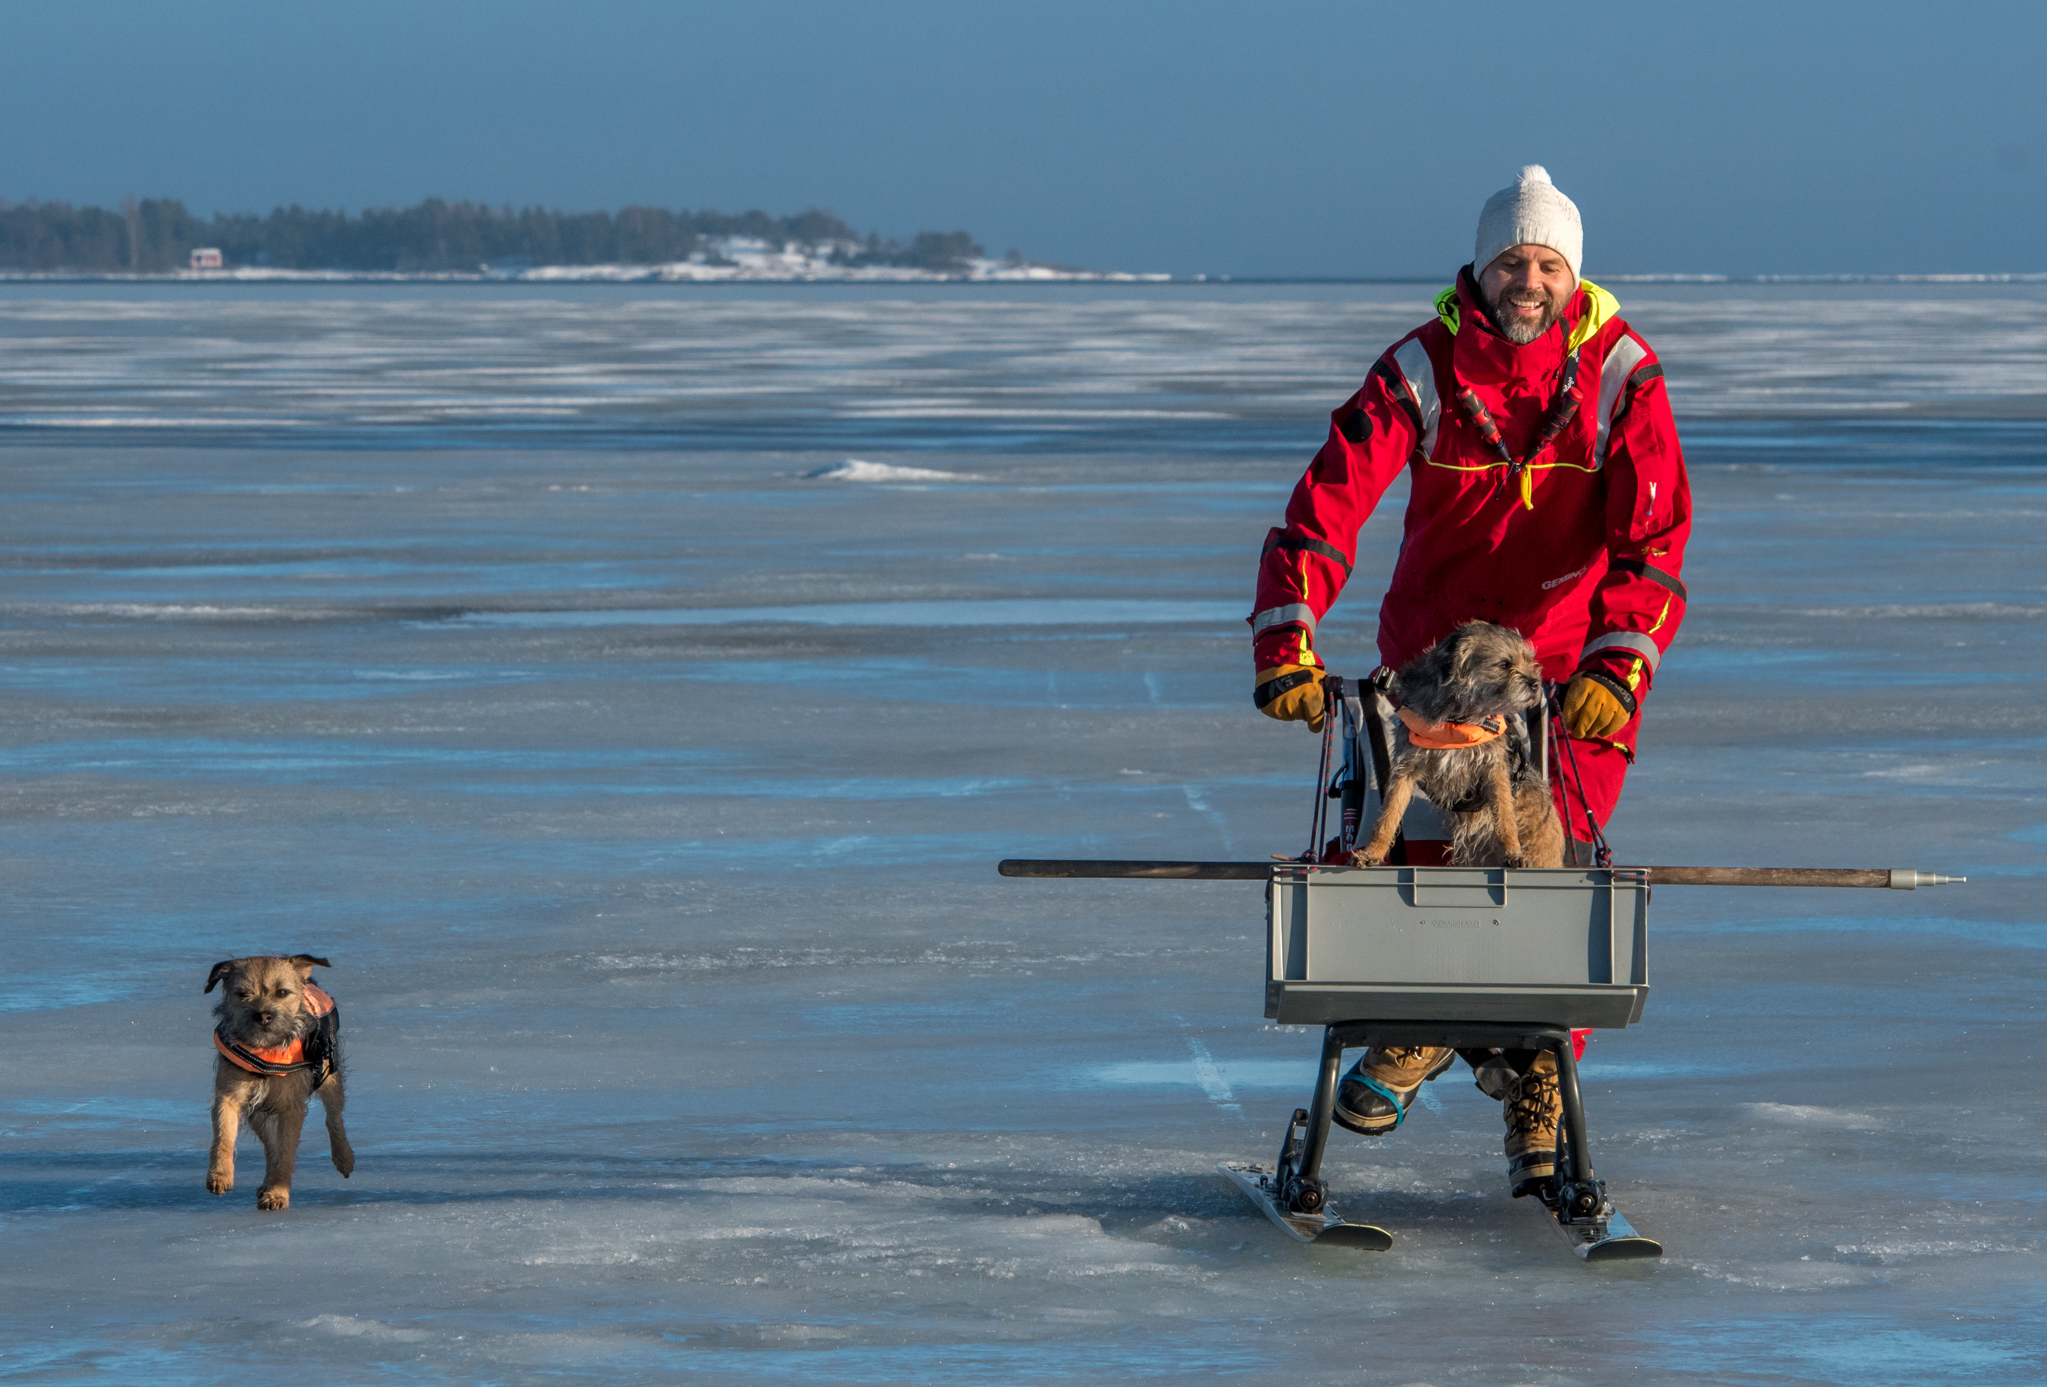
<point x="727" y="260"/>
<point x="750" y="260"/>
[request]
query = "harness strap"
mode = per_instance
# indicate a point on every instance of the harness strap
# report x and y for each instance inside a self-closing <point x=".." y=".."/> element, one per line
<point x="277" y="1059"/>
<point x="290" y="1058"/>
<point x="1399" y="1108"/>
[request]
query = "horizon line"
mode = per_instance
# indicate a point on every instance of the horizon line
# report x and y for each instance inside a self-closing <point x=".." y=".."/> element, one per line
<point x="608" y="275"/>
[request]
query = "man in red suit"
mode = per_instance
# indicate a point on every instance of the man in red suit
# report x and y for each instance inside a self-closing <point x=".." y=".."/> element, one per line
<point x="1547" y="493"/>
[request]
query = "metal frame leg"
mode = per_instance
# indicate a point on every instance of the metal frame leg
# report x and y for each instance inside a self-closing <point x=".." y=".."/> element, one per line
<point x="1323" y="1107"/>
<point x="1300" y="1161"/>
<point x="1577" y="1162"/>
<point x="1579" y="1192"/>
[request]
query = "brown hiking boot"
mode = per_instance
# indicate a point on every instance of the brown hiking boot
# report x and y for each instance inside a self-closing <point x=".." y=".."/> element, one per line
<point x="1380" y="1088"/>
<point x="1533" y="1109"/>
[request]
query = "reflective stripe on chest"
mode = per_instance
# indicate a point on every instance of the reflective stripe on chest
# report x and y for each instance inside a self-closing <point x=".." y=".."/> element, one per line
<point x="1415" y="387"/>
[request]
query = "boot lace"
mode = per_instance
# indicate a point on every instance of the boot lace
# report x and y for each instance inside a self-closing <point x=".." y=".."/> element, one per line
<point x="1533" y="1104"/>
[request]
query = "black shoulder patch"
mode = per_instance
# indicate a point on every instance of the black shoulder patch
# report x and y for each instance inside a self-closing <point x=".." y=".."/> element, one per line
<point x="1356" y="426"/>
<point x="1642" y="569"/>
<point x="1395" y="386"/>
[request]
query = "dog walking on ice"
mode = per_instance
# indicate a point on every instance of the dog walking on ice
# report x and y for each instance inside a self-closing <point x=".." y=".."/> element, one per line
<point x="279" y="1044"/>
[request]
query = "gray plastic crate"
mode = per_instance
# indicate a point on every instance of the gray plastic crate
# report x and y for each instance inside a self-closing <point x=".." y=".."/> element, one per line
<point x="1559" y="947"/>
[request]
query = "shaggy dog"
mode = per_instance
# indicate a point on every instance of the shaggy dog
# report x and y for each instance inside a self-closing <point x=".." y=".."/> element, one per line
<point x="278" y="1040"/>
<point x="1456" y="701"/>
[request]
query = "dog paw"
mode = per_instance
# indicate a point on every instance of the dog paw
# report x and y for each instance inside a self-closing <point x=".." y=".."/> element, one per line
<point x="219" y="1184"/>
<point x="1362" y="859"/>
<point x="274" y="1199"/>
<point x="1515" y="859"/>
<point x="344" y="1161"/>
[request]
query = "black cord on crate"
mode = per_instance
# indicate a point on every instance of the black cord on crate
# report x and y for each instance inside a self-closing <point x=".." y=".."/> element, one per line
<point x="1320" y="819"/>
<point x="1602" y="855"/>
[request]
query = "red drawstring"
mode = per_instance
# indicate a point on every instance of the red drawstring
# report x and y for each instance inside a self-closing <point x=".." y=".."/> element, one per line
<point x="1562" y="410"/>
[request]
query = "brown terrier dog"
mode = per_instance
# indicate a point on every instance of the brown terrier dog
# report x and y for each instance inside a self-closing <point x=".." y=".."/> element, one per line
<point x="1455" y="702"/>
<point x="279" y="1043"/>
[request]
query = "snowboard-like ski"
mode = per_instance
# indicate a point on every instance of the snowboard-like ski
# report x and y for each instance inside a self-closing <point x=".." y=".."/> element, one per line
<point x="1607" y="1238"/>
<point x="1325" y="1227"/>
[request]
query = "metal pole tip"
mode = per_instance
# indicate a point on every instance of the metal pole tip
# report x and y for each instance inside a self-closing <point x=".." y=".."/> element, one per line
<point x="1903" y="879"/>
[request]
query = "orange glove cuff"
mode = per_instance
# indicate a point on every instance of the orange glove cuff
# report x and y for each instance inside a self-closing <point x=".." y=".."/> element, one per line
<point x="1291" y="693"/>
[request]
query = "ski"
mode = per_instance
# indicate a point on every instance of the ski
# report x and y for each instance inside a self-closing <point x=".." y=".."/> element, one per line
<point x="1606" y="1238"/>
<point x="1325" y="1227"/>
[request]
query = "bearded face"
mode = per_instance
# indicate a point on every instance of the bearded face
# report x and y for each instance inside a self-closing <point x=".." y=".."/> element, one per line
<point x="1522" y="315"/>
<point x="1525" y="289"/>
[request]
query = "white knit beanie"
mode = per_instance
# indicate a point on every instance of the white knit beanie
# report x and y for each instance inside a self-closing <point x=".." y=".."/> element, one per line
<point x="1530" y="213"/>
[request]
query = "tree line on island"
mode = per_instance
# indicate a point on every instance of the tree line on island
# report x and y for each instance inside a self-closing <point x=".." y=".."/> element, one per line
<point x="156" y="235"/>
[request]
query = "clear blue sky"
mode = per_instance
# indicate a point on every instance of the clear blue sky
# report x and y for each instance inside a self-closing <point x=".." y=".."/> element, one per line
<point x="1298" y="138"/>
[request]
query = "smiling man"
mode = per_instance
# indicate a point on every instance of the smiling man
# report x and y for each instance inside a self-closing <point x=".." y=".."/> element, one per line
<point x="1548" y="494"/>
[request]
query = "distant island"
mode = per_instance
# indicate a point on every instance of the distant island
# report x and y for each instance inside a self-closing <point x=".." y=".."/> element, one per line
<point x="157" y="238"/>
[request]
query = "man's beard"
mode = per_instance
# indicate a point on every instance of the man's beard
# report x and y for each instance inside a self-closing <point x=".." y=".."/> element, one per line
<point x="1517" y="329"/>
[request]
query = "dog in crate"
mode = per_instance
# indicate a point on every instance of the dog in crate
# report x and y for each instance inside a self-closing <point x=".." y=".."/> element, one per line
<point x="279" y="1044"/>
<point x="1457" y="702"/>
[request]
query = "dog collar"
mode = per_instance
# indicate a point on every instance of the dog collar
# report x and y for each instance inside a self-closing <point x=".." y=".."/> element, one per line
<point x="1449" y="736"/>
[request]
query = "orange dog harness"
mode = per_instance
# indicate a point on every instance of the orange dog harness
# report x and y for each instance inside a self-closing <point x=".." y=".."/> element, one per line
<point x="1451" y="736"/>
<point x="296" y="1054"/>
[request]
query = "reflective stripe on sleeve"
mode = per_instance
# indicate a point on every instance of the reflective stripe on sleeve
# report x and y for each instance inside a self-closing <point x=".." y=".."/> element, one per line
<point x="1291" y="614"/>
<point x="1418" y="374"/>
<point x="1625" y="640"/>
<point x="1625" y="356"/>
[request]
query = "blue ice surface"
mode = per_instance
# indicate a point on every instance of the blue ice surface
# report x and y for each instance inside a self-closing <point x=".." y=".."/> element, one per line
<point x="1048" y="611"/>
<point x="645" y="794"/>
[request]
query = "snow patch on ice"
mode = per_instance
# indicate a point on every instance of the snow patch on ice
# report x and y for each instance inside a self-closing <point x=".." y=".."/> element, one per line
<point x="348" y="1326"/>
<point x="860" y="470"/>
<point x="1784" y="1276"/>
<point x="1812" y="1116"/>
<point x="1899" y="1251"/>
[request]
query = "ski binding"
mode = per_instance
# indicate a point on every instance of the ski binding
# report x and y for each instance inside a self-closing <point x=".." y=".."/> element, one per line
<point x="1605" y="1236"/>
<point x="1324" y="1227"/>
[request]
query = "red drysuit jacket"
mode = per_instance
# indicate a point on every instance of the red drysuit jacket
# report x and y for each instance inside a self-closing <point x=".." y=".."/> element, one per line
<point x="1580" y="550"/>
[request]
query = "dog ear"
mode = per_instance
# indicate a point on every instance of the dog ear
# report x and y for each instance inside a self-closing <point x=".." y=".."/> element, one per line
<point x="1463" y="647"/>
<point x="306" y="963"/>
<point x="220" y="970"/>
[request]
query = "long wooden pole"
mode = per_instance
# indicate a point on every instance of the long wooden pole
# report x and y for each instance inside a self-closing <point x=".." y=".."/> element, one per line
<point x="1895" y="879"/>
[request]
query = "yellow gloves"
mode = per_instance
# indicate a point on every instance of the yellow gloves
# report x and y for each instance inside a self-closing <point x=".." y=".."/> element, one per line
<point x="1592" y="708"/>
<point x="1291" y="693"/>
